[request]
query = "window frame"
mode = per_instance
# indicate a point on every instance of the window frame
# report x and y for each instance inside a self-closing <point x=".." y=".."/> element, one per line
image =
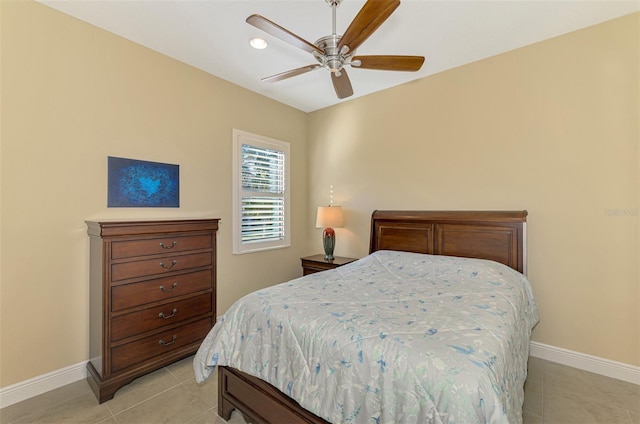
<point x="241" y="138"/>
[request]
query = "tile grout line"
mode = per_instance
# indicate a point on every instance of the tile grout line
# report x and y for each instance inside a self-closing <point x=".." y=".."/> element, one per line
<point x="542" y="391"/>
<point x="143" y="401"/>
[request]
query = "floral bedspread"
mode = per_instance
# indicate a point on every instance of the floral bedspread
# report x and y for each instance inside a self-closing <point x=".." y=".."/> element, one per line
<point x="394" y="337"/>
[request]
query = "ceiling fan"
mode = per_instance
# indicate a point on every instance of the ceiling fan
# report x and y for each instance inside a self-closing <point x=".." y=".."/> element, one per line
<point x="334" y="52"/>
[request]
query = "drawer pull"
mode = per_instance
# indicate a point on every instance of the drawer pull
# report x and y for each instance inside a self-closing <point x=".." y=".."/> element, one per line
<point x="173" y="263"/>
<point x="168" y="247"/>
<point x="173" y="286"/>
<point x="163" y="316"/>
<point x="173" y="339"/>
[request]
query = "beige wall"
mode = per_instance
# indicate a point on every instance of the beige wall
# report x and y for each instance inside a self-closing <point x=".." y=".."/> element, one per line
<point x="552" y="128"/>
<point x="71" y="96"/>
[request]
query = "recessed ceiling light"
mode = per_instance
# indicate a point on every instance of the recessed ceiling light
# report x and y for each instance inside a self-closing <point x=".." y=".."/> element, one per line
<point x="258" y="43"/>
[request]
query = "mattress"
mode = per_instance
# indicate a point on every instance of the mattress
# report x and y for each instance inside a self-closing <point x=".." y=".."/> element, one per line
<point x="394" y="337"/>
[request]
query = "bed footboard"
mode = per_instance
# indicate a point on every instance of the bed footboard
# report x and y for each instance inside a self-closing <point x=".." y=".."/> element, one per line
<point x="258" y="401"/>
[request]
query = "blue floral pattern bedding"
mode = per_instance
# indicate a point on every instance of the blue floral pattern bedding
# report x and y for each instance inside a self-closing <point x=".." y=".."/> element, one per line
<point x="394" y="337"/>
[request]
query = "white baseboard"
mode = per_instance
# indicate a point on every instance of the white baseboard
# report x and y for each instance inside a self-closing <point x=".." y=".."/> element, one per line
<point x="55" y="379"/>
<point x="42" y="384"/>
<point x="583" y="361"/>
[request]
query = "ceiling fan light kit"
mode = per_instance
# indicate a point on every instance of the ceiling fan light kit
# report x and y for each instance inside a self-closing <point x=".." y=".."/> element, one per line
<point x="334" y="52"/>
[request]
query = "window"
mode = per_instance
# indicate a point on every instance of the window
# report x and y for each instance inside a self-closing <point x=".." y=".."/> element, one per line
<point x="260" y="193"/>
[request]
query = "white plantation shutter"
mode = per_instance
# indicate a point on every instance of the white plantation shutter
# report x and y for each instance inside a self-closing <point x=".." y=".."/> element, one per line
<point x="260" y="193"/>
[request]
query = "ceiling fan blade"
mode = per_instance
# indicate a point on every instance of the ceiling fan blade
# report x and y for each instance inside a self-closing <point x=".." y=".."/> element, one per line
<point x="341" y="84"/>
<point x="370" y="17"/>
<point x="389" y="63"/>
<point x="277" y="31"/>
<point x="291" y="73"/>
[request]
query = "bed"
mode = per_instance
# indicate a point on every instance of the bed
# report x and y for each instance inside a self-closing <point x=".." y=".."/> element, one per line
<point x="432" y="326"/>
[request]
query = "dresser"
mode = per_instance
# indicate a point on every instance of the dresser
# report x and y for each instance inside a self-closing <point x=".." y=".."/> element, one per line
<point x="152" y="296"/>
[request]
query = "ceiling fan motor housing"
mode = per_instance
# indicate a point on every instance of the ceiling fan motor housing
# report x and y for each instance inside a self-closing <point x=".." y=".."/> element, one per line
<point x="332" y="59"/>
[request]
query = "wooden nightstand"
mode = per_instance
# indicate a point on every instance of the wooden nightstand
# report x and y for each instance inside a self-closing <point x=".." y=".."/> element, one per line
<point x="316" y="263"/>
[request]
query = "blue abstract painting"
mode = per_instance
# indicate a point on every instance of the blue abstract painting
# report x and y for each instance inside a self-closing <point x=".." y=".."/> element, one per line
<point x="138" y="183"/>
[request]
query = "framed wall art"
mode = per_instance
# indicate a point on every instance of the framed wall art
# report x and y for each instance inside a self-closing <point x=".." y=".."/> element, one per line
<point x="138" y="183"/>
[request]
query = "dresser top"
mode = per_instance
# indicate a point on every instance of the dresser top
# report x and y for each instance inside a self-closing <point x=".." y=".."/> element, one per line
<point x="120" y="227"/>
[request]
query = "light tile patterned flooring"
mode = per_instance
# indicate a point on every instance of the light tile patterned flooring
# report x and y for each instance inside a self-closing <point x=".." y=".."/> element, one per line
<point x="554" y="394"/>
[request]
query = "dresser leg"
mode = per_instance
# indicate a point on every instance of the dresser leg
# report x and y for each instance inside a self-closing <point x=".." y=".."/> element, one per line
<point x="104" y="391"/>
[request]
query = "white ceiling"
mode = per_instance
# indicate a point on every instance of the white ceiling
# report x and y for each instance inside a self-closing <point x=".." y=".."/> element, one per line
<point x="212" y="35"/>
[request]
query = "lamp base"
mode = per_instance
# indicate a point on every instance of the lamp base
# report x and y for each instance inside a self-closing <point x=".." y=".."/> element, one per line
<point x="328" y="242"/>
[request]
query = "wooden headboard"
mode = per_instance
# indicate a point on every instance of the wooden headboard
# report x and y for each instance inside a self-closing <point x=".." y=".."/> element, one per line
<point x="496" y="235"/>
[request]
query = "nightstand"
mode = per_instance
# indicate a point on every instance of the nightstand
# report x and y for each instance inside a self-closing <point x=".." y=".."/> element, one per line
<point x="317" y="263"/>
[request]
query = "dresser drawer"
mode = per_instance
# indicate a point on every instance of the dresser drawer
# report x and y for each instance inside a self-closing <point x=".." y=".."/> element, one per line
<point x="126" y="270"/>
<point x="156" y="246"/>
<point x="159" y="344"/>
<point x="135" y="294"/>
<point x="151" y="318"/>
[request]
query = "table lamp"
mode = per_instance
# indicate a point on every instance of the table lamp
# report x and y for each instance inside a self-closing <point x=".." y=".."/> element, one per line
<point x="329" y="217"/>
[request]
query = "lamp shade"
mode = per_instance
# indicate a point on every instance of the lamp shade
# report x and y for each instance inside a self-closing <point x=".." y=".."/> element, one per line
<point x="329" y="217"/>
